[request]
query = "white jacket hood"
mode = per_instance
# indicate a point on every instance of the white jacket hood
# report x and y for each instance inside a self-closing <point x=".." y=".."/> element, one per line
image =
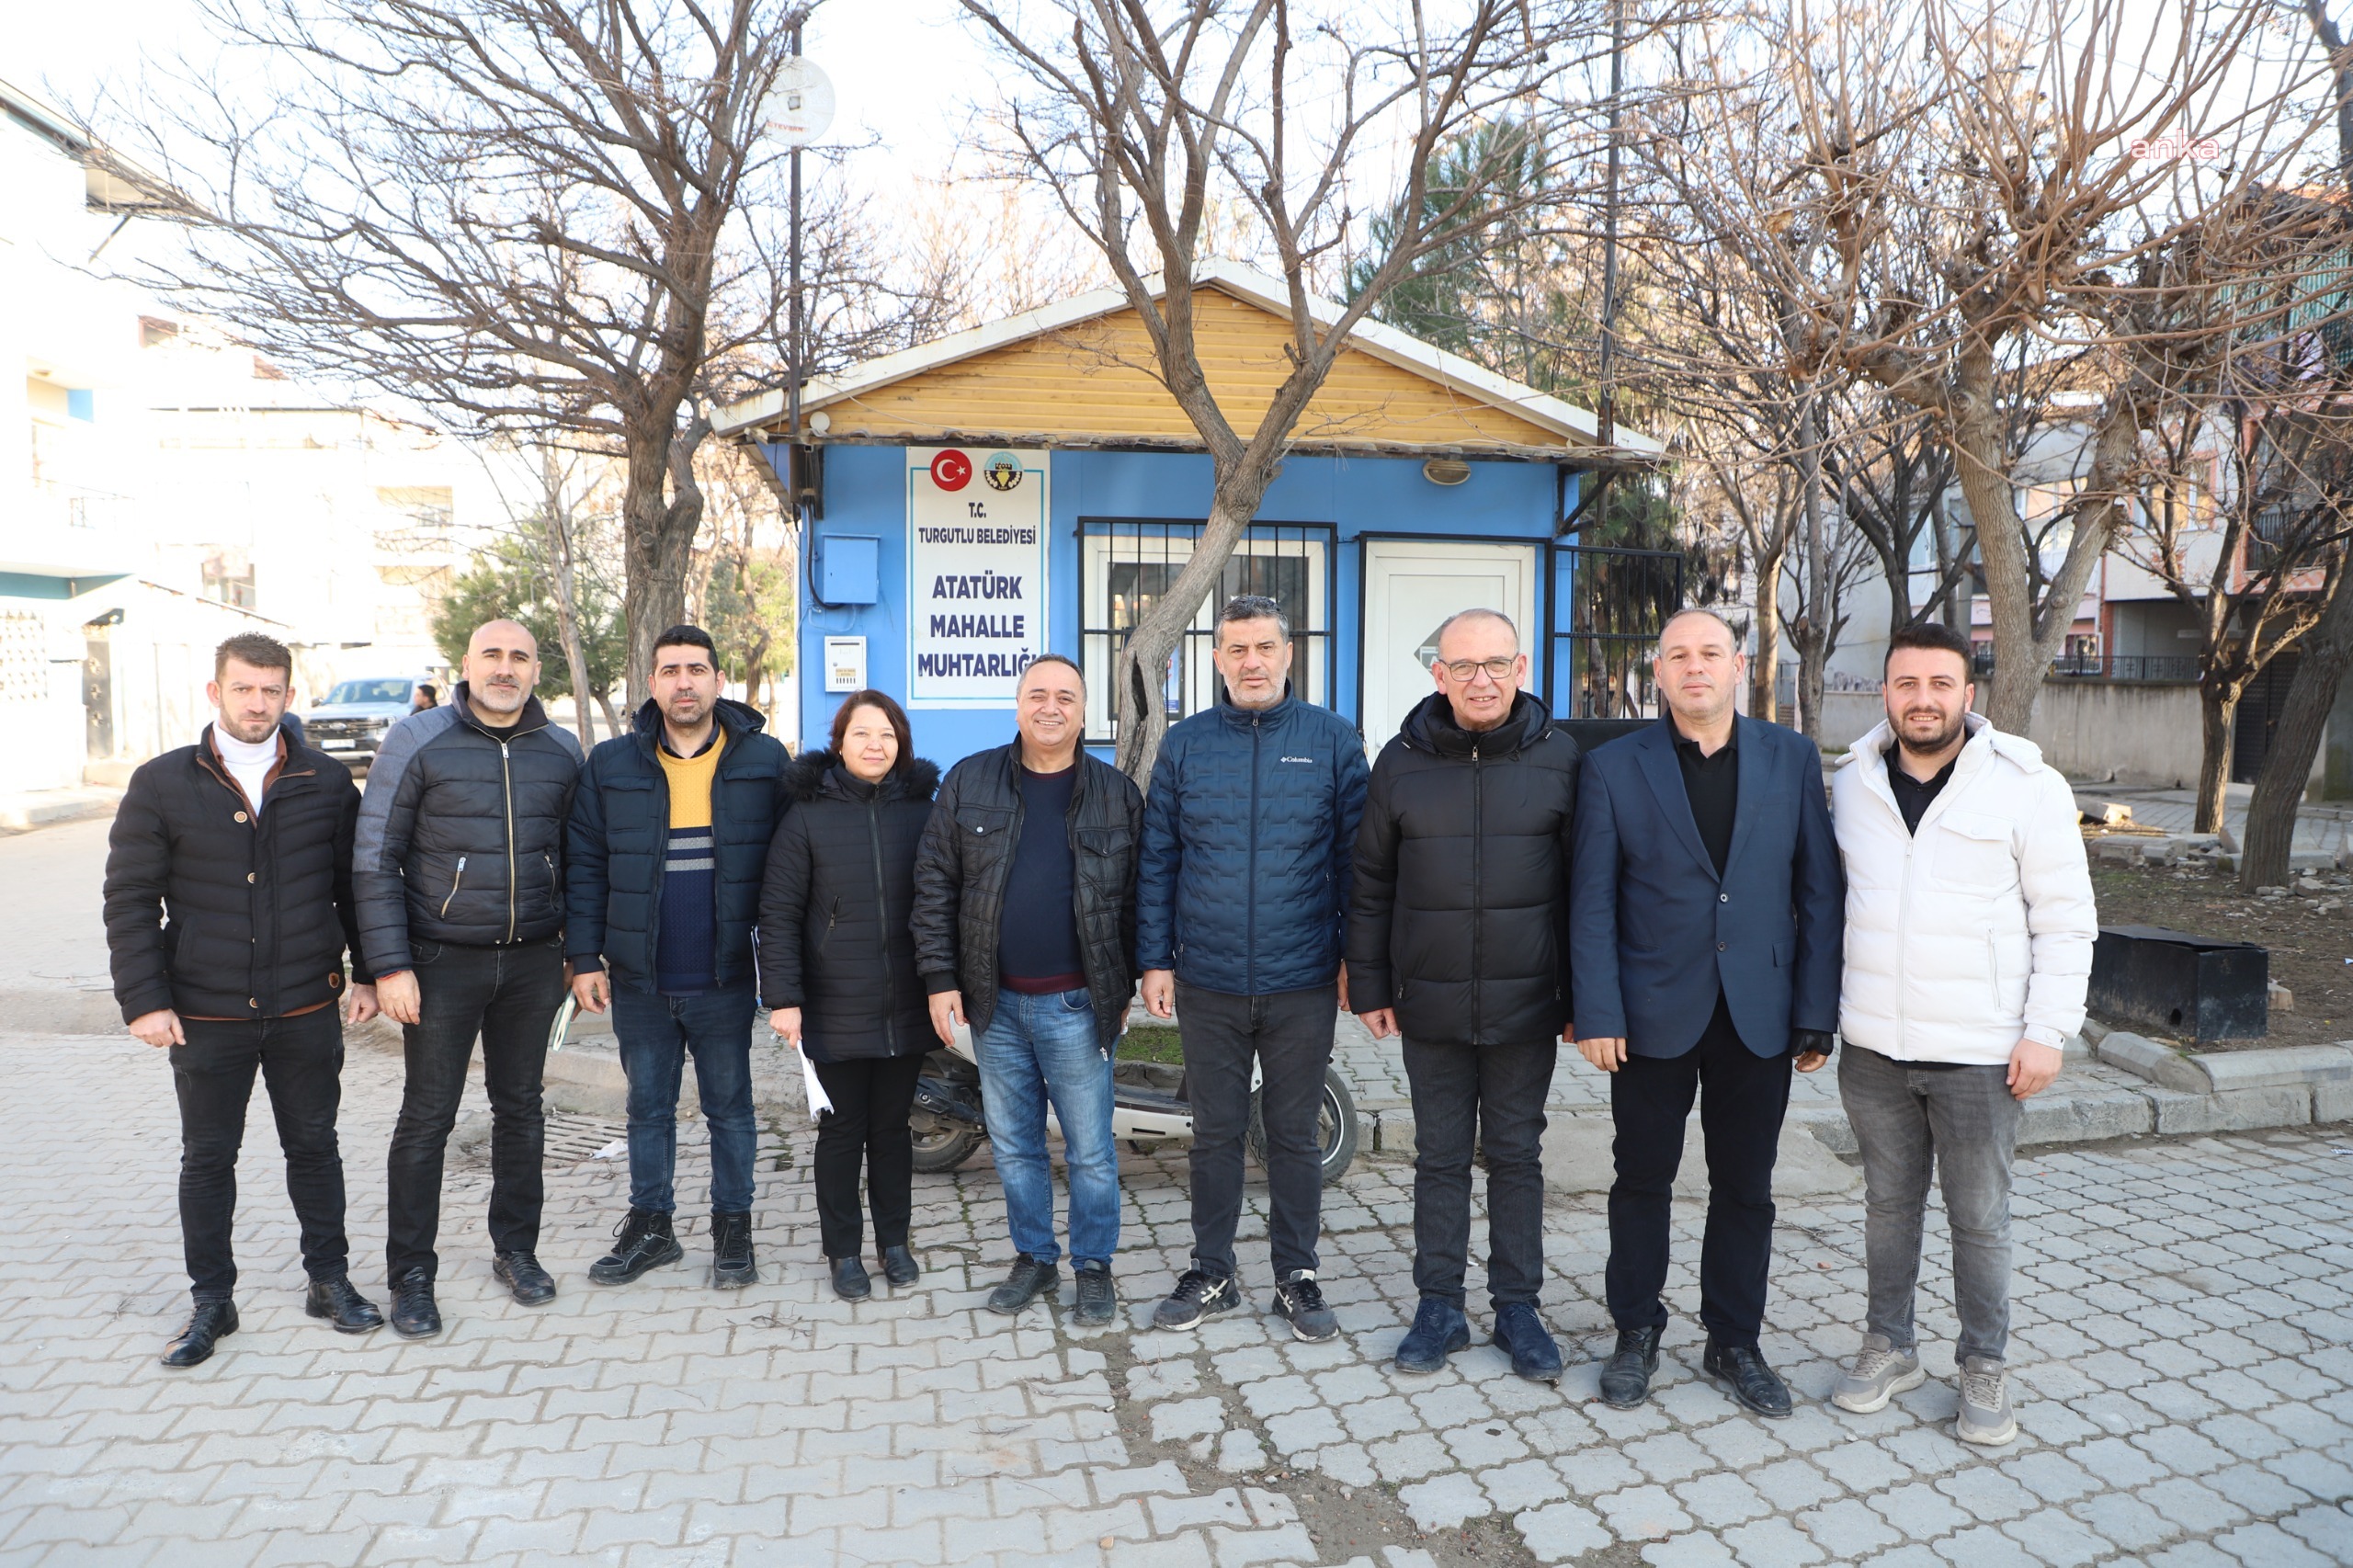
<point x="1978" y="929"/>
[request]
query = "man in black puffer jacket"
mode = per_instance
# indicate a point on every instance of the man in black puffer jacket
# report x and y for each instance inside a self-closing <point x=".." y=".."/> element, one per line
<point x="670" y="835"/>
<point x="1458" y="939"/>
<point x="243" y="843"/>
<point x="459" y="866"/>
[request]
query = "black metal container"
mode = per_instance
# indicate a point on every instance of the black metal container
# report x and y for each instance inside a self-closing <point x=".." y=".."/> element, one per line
<point x="2191" y="987"/>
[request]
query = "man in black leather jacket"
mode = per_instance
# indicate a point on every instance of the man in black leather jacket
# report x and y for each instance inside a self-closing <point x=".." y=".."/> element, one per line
<point x="459" y="867"/>
<point x="1042" y="827"/>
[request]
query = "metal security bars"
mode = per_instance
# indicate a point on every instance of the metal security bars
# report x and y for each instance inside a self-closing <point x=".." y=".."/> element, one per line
<point x="1619" y="600"/>
<point x="1125" y="566"/>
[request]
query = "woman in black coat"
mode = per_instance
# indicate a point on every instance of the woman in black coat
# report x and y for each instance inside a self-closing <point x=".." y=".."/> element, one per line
<point x="837" y="967"/>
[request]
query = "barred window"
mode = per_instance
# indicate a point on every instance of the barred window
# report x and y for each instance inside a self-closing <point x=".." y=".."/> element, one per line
<point x="1126" y="566"/>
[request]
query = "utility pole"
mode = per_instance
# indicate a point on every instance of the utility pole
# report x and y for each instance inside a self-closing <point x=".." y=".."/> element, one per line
<point x="1608" y="400"/>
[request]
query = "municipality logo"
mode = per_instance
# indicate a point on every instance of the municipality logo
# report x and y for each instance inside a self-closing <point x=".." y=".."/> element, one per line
<point x="1002" y="470"/>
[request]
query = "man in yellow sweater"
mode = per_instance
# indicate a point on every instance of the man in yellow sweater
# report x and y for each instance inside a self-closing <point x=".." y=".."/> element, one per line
<point x="669" y="839"/>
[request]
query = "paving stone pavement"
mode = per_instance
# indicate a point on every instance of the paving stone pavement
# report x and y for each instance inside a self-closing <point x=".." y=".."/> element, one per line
<point x="2183" y="1349"/>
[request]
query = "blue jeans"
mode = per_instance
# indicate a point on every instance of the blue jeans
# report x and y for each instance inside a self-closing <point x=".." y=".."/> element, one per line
<point x="655" y="1033"/>
<point x="1039" y="1048"/>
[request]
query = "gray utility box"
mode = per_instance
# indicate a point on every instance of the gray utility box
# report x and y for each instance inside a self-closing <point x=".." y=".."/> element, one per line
<point x="2191" y="987"/>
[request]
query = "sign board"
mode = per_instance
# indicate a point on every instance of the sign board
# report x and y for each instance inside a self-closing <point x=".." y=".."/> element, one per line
<point x="976" y="572"/>
<point x="845" y="664"/>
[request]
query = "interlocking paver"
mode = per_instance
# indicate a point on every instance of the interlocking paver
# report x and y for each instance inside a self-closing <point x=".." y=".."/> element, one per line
<point x="2198" y="1418"/>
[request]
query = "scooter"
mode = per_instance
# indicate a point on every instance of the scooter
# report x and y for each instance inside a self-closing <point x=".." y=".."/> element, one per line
<point x="1149" y="1106"/>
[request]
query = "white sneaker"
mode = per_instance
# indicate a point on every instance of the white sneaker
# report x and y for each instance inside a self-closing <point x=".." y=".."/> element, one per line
<point x="1984" y="1417"/>
<point x="1877" y="1374"/>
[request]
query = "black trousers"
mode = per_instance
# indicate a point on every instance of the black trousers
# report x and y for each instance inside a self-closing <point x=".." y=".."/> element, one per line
<point x="1289" y="1034"/>
<point x="1468" y="1097"/>
<point x="301" y="1061"/>
<point x="1742" y="1098"/>
<point x="873" y="1096"/>
<point x="507" y="996"/>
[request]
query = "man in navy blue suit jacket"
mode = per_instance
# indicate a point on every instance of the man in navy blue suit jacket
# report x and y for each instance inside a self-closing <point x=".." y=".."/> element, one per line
<point x="1706" y="916"/>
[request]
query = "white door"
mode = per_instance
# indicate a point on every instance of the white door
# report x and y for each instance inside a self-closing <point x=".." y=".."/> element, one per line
<point x="1411" y="586"/>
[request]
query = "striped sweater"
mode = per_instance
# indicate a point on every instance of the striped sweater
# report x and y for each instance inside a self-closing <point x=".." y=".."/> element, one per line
<point x="684" y="959"/>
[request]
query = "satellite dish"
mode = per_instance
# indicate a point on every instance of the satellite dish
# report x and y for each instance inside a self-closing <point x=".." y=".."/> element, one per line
<point x="802" y="103"/>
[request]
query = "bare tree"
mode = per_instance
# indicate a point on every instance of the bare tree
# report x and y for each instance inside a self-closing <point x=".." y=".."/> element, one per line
<point x="2071" y="146"/>
<point x="553" y="217"/>
<point x="1146" y="121"/>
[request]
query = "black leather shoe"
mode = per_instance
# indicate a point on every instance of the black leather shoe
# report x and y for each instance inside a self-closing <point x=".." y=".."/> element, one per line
<point x="209" y="1323"/>
<point x="1742" y="1369"/>
<point x="642" y="1240"/>
<point x="524" y="1278"/>
<point x="414" y="1314"/>
<point x="1028" y="1280"/>
<point x="1626" y="1376"/>
<point x="850" y="1281"/>
<point x="336" y="1301"/>
<point x="899" y="1268"/>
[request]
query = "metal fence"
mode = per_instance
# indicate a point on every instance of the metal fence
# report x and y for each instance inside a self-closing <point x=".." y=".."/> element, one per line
<point x="2154" y="669"/>
<point x="1619" y="600"/>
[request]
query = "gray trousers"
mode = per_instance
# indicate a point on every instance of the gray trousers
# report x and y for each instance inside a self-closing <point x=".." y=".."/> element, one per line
<point x="1963" y="1122"/>
<point x="1487" y="1098"/>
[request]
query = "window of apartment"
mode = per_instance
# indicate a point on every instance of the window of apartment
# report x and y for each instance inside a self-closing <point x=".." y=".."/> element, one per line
<point x="1126" y="566"/>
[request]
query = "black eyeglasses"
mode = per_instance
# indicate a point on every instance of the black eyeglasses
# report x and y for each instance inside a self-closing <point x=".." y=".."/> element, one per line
<point x="1463" y="669"/>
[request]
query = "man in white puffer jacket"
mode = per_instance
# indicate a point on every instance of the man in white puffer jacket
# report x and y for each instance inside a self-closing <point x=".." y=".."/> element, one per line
<point x="1968" y="945"/>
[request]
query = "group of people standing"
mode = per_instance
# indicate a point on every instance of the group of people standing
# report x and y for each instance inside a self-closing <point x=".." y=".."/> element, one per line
<point x="1684" y="906"/>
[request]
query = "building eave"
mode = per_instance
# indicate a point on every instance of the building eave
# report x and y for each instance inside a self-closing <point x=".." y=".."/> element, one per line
<point x="1578" y="428"/>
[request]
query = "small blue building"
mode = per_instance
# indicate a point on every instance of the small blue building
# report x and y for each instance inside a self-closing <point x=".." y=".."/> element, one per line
<point x="1029" y="486"/>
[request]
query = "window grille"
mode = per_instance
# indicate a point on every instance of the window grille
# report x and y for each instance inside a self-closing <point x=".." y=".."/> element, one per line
<point x="1125" y="566"/>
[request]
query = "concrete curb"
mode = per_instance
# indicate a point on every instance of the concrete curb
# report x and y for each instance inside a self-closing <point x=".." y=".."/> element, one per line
<point x="47" y="808"/>
<point x="2234" y="1091"/>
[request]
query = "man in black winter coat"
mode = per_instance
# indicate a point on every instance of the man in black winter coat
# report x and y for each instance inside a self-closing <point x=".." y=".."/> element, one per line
<point x="669" y="840"/>
<point x="458" y="867"/>
<point x="242" y="843"/>
<point x="1024" y="923"/>
<point x="1458" y="940"/>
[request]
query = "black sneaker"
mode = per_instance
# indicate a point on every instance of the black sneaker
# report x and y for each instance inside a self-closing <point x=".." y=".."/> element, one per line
<point x="733" y="1265"/>
<point x="642" y="1240"/>
<point x="1300" y="1300"/>
<point x="1198" y="1294"/>
<point x="1028" y="1280"/>
<point x="1099" y="1298"/>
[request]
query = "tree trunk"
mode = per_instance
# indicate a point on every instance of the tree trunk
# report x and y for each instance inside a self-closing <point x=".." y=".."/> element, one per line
<point x="2304" y="719"/>
<point x="557" y="524"/>
<point x="661" y="511"/>
<point x="1765" y="667"/>
<point x="2218" y="704"/>
<point x="1814" y="647"/>
<point x="1140" y="674"/>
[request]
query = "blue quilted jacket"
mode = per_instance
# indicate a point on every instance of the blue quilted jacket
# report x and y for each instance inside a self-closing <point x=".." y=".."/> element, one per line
<point x="1249" y="830"/>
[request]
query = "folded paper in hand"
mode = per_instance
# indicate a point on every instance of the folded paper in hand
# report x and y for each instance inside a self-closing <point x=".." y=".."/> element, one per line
<point x="818" y="1104"/>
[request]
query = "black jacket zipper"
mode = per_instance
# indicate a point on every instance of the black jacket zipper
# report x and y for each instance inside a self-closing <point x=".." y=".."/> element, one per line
<point x="1250" y="887"/>
<point x="883" y="915"/>
<point x="1478" y="886"/>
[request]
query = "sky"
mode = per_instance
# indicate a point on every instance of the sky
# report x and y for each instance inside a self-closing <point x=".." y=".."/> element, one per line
<point x="904" y="71"/>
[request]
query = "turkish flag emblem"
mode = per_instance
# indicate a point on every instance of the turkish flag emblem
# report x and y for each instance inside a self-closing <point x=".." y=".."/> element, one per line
<point x="952" y="470"/>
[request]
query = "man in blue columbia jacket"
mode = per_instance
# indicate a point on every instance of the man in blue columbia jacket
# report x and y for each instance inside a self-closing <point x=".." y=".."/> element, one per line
<point x="1242" y="904"/>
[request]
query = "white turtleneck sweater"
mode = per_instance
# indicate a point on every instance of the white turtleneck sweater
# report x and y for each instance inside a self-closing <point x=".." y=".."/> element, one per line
<point x="248" y="762"/>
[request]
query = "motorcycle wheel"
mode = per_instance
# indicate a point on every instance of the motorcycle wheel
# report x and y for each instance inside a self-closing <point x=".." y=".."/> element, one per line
<point x="941" y="1142"/>
<point x="1336" y="1128"/>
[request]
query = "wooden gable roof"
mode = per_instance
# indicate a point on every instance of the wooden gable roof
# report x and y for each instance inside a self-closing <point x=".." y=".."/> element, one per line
<point x="1082" y="374"/>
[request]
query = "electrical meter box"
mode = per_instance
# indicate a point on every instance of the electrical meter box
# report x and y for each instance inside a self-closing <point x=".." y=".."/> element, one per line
<point x="849" y="569"/>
